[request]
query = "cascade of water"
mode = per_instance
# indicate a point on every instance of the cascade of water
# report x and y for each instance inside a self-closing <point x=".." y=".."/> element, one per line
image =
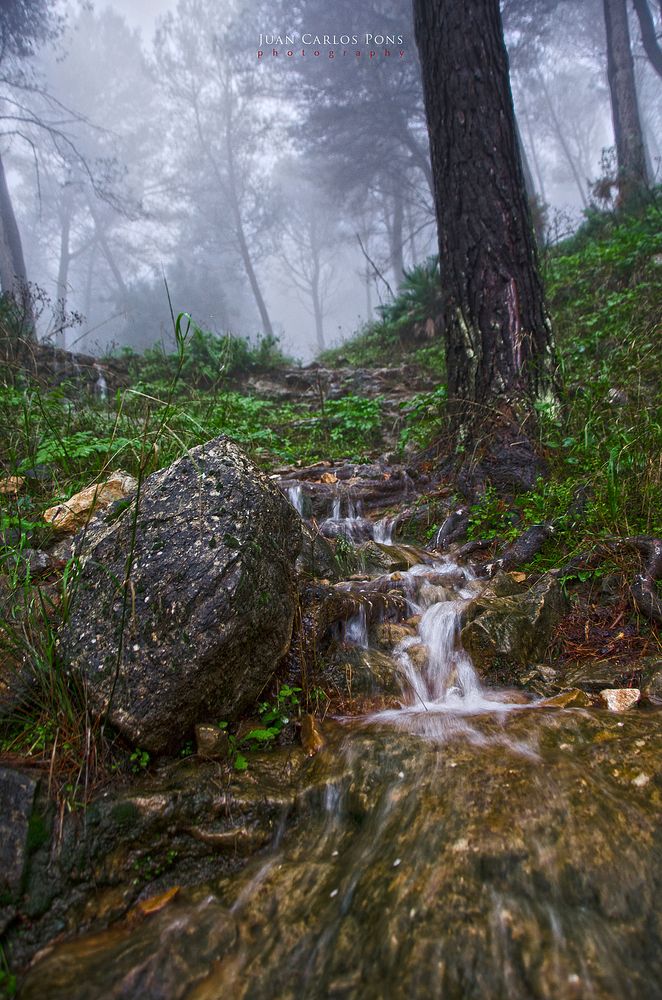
<point x="295" y="496"/>
<point x="356" y="629"/>
<point x="101" y="386"/>
<point x="383" y="530"/>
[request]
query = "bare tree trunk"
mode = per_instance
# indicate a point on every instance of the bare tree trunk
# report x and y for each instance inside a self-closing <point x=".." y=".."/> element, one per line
<point x="396" y="234"/>
<point x="648" y="34"/>
<point x="499" y="354"/>
<point x="317" y="307"/>
<point x="63" y="271"/>
<point x="628" y="135"/>
<point x="104" y="246"/>
<point x="13" y="273"/>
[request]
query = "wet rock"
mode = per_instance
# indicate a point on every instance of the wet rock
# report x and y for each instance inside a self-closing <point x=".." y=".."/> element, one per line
<point x="541" y="679"/>
<point x="386" y="635"/>
<point x="419" y="656"/>
<point x="317" y="558"/>
<point x="355" y="529"/>
<point x="212" y="742"/>
<point x="18" y="790"/>
<point x="361" y="672"/>
<point x="208" y="611"/>
<point x="402" y="557"/>
<point x="574" y="698"/>
<point x="187" y="822"/>
<point x="69" y="516"/>
<point x="522" y="862"/>
<point x="594" y="675"/>
<point x="620" y="699"/>
<point x="504" y="634"/>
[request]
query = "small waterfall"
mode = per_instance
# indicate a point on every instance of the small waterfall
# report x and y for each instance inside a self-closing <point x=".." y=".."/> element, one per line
<point x="295" y="496"/>
<point x="356" y="629"/>
<point x="101" y="386"/>
<point x="353" y="526"/>
<point x="383" y="530"/>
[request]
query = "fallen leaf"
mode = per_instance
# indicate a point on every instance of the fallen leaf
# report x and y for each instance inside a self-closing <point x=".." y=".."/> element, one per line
<point x="328" y="477"/>
<point x="156" y="903"/>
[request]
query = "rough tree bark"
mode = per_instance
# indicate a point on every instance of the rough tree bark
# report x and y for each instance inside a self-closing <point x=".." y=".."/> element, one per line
<point x="498" y="338"/>
<point x="13" y="273"/>
<point x="628" y="134"/>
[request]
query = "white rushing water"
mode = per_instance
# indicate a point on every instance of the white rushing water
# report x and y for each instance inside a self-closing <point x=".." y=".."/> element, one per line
<point x="295" y="496"/>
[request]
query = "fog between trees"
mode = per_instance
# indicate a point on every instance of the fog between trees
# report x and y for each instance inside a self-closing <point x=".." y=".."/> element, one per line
<point x="282" y="195"/>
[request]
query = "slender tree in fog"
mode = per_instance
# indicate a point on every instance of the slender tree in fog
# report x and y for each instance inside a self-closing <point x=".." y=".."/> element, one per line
<point x="628" y="135"/>
<point x="310" y="248"/>
<point x="649" y="35"/>
<point x="24" y="25"/>
<point x="498" y="336"/>
<point x="220" y="132"/>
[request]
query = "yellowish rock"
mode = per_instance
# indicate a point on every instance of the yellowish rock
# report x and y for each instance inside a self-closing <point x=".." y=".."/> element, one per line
<point x="12" y="485"/>
<point x="574" y="698"/>
<point x="619" y="699"/>
<point x="71" y="515"/>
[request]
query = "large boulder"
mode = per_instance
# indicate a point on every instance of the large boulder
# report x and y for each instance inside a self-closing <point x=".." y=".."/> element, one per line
<point x="504" y="634"/>
<point x="208" y="609"/>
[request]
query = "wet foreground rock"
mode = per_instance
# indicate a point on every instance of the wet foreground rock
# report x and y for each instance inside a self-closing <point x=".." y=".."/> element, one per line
<point x="499" y="855"/>
<point x="195" y="629"/>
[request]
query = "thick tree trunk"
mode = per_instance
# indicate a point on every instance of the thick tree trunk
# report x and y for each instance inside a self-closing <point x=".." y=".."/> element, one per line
<point x="13" y="273"/>
<point x="531" y="193"/>
<point x="628" y="135"/>
<point x="498" y="336"/>
<point x="648" y="34"/>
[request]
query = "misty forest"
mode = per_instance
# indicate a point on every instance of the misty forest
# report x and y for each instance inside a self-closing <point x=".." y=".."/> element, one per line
<point x="330" y="499"/>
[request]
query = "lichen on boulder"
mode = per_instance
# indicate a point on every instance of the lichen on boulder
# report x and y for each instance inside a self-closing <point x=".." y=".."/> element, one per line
<point x="206" y="612"/>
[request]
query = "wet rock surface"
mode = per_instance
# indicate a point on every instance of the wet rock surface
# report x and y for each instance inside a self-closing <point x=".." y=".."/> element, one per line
<point x="506" y="633"/>
<point x="513" y="857"/>
<point x="206" y="613"/>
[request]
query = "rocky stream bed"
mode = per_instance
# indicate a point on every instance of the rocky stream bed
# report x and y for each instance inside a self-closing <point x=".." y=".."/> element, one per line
<point x="468" y="817"/>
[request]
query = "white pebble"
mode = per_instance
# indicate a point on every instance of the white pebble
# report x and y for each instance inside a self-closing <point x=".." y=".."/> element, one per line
<point x="397" y="862"/>
<point x="334" y="893"/>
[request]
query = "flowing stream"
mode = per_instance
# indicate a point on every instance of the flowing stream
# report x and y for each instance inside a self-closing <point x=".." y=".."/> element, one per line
<point x="462" y="846"/>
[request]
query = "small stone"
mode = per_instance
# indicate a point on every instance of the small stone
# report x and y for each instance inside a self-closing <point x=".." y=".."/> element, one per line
<point x="75" y="512"/>
<point x="574" y="698"/>
<point x="211" y="741"/>
<point x="619" y="699"/>
<point x="641" y="780"/>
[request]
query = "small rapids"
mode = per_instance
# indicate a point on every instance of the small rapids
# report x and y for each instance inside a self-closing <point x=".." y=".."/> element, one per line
<point x="461" y="847"/>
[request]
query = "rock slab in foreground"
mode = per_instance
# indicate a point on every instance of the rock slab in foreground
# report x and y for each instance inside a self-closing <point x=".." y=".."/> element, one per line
<point x="209" y="608"/>
<point x="17" y="796"/>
